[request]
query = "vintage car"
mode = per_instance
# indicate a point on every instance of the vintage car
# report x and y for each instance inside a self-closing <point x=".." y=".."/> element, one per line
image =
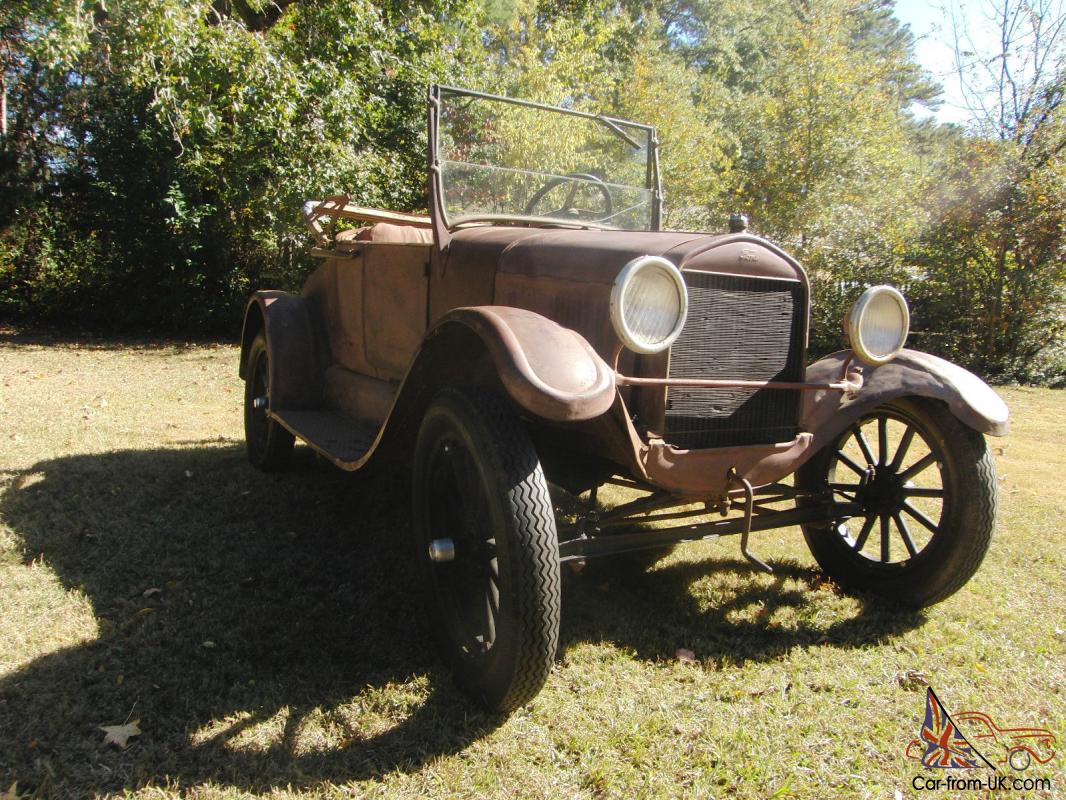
<point x="539" y="327"/>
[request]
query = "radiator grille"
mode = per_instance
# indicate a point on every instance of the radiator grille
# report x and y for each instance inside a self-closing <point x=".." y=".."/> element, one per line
<point x="745" y="328"/>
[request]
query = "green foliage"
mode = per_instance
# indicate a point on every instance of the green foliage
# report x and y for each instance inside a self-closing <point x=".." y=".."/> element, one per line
<point x="181" y="149"/>
<point x="994" y="265"/>
<point x="157" y="152"/>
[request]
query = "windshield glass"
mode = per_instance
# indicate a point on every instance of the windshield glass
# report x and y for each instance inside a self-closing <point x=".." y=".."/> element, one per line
<point x="509" y="161"/>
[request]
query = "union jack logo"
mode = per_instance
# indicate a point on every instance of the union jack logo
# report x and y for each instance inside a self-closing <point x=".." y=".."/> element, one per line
<point x="945" y="746"/>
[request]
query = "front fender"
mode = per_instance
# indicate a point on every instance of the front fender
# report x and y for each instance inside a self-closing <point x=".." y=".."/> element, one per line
<point x="827" y="414"/>
<point x="548" y="370"/>
<point x="288" y="323"/>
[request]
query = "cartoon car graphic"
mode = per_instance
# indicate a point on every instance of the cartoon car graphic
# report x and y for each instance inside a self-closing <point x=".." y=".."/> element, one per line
<point x="1019" y="747"/>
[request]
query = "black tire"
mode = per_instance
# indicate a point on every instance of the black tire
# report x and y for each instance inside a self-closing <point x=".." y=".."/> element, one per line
<point x="269" y="445"/>
<point x="494" y="609"/>
<point x="942" y="542"/>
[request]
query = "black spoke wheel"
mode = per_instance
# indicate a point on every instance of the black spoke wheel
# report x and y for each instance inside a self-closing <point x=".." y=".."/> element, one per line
<point x="269" y="445"/>
<point x="927" y="488"/>
<point x="486" y="540"/>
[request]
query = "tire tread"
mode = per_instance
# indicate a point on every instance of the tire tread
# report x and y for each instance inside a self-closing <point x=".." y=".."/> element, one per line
<point x="515" y="466"/>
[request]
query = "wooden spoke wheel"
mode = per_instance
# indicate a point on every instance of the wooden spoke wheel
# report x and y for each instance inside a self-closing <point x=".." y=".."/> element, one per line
<point x="927" y="488"/>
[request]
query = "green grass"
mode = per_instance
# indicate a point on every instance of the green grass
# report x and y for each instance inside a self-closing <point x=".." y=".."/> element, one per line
<point x="284" y="652"/>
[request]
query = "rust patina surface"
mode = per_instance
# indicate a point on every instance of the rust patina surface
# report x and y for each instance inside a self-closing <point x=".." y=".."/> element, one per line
<point x="533" y="302"/>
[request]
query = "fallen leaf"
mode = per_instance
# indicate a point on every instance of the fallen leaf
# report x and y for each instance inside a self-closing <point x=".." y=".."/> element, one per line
<point x="912" y="679"/>
<point x="685" y="656"/>
<point x="119" y="735"/>
<point x="12" y="793"/>
<point x="188" y="473"/>
<point x="208" y="644"/>
<point x="152" y="592"/>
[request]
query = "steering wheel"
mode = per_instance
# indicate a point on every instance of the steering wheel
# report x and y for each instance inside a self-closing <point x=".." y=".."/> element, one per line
<point x="568" y="211"/>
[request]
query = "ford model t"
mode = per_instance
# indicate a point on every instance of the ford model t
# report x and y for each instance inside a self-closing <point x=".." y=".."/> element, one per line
<point x="539" y="327"/>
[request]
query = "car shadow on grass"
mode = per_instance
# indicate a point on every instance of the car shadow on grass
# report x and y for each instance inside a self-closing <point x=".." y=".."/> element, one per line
<point x="245" y="619"/>
<point x="738" y="619"/>
<point x="266" y="630"/>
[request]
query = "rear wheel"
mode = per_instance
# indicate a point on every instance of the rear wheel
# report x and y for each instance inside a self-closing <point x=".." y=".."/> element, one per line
<point x="486" y="540"/>
<point x="269" y="444"/>
<point x="927" y="488"/>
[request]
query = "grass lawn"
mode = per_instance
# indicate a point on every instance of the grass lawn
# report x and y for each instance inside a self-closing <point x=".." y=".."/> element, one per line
<point x="265" y="633"/>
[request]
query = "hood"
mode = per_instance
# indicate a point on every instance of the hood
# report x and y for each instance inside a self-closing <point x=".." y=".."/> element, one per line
<point x="565" y="275"/>
<point x="598" y="256"/>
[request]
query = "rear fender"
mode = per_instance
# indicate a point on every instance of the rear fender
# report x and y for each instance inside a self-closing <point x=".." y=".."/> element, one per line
<point x="827" y="414"/>
<point x="295" y="378"/>
<point x="546" y="369"/>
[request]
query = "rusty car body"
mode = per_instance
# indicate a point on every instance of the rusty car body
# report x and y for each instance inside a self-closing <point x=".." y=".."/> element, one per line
<point x="538" y="327"/>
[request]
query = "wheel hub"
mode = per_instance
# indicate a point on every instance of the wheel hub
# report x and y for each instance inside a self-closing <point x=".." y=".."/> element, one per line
<point x="442" y="550"/>
<point x="882" y="491"/>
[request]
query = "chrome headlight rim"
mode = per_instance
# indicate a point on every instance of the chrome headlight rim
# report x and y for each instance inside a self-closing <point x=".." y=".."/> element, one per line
<point x="618" y="317"/>
<point x="854" y="324"/>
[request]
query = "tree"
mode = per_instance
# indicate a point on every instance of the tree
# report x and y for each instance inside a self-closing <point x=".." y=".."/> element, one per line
<point x="999" y="246"/>
<point x="169" y="147"/>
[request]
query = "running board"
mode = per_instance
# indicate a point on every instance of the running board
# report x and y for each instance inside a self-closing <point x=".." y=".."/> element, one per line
<point x="338" y="437"/>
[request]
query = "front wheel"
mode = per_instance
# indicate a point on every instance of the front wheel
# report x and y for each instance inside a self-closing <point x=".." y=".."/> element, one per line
<point x="486" y="541"/>
<point x="926" y="485"/>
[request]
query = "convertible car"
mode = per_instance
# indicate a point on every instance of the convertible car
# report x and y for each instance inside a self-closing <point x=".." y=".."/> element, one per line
<point x="539" y="327"/>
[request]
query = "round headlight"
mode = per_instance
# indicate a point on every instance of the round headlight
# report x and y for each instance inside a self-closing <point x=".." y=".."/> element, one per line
<point x="649" y="303"/>
<point x="878" y="324"/>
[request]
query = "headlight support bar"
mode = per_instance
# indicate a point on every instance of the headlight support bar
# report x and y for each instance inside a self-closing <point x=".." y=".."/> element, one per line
<point x="850" y="384"/>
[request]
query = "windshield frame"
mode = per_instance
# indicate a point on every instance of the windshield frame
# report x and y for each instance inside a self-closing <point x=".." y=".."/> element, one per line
<point x="653" y="180"/>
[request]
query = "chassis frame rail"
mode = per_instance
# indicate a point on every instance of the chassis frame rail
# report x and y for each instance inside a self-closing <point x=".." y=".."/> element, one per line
<point x="636" y="538"/>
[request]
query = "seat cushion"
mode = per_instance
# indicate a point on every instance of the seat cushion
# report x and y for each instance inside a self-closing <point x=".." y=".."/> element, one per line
<point x="385" y="232"/>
